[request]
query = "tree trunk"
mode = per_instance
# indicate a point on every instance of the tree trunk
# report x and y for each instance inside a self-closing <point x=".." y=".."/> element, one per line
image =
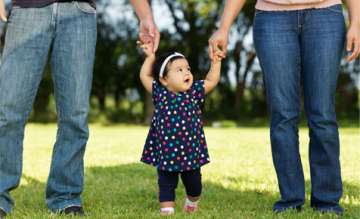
<point x="101" y="97"/>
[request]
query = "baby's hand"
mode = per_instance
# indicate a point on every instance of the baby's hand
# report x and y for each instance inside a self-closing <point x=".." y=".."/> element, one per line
<point x="217" y="57"/>
<point x="146" y="48"/>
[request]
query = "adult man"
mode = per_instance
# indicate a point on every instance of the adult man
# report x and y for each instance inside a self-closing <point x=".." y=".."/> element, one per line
<point x="66" y="31"/>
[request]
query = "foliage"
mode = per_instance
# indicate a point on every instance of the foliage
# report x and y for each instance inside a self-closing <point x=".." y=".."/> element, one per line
<point x="240" y="93"/>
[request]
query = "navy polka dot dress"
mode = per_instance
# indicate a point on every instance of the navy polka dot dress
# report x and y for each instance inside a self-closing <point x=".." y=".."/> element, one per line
<point x="176" y="140"/>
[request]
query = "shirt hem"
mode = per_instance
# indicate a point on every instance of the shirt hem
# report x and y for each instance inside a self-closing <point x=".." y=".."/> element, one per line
<point x="267" y="6"/>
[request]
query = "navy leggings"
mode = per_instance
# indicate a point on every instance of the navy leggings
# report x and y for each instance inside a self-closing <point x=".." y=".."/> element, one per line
<point x="168" y="182"/>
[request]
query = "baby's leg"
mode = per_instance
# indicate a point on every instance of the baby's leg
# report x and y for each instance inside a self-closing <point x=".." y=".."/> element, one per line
<point x="167" y="184"/>
<point x="193" y="187"/>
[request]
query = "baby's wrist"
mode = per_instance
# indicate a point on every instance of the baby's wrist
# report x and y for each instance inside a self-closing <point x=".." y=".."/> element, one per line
<point x="150" y="57"/>
<point x="215" y="61"/>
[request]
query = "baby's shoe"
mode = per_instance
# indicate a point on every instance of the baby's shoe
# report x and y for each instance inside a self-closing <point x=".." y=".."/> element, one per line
<point x="167" y="211"/>
<point x="190" y="206"/>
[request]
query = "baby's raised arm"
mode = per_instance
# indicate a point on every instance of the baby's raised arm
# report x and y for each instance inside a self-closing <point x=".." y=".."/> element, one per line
<point x="213" y="76"/>
<point x="146" y="75"/>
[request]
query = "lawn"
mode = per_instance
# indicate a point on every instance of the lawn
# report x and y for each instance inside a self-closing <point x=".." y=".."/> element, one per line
<point x="240" y="181"/>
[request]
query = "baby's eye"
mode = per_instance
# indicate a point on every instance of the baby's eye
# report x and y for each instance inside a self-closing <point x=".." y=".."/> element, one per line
<point x="189" y="69"/>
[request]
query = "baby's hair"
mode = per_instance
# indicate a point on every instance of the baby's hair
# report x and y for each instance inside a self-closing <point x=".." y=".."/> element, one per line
<point x="158" y="62"/>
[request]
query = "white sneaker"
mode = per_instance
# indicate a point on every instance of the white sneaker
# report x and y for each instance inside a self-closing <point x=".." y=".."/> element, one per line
<point x="167" y="211"/>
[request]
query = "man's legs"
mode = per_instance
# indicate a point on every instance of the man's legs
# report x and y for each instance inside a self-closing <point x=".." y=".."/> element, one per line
<point x="27" y="43"/>
<point x="72" y="67"/>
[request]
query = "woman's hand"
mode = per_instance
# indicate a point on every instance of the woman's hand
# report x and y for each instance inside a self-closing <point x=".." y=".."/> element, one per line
<point x="218" y="44"/>
<point x="2" y="11"/>
<point x="219" y="40"/>
<point x="353" y="41"/>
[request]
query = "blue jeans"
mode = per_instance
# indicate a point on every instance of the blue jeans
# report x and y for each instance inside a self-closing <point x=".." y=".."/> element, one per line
<point x="66" y="32"/>
<point x="295" y="47"/>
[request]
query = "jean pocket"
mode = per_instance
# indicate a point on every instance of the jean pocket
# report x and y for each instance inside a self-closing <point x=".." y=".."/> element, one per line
<point x="335" y="8"/>
<point x="13" y="10"/>
<point x="85" y="7"/>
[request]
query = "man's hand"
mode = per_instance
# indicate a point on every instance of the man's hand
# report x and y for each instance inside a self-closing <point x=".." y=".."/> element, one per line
<point x="149" y="34"/>
<point x="2" y="11"/>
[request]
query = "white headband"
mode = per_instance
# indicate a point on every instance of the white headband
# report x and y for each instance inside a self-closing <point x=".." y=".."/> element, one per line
<point x="163" y="65"/>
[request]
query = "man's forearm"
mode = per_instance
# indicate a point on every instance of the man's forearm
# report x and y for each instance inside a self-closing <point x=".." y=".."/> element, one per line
<point x="142" y="9"/>
<point x="231" y="11"/>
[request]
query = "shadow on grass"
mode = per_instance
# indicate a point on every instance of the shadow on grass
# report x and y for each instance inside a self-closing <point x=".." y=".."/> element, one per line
<point x="130" y="191"/>
<point x="243" y="123"/>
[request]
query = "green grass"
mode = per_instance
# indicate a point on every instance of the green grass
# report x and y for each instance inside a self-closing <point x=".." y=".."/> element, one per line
<point x="240" y="181"/>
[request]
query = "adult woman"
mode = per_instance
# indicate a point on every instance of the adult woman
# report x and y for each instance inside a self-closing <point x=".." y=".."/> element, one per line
<point x="301" y="41"/>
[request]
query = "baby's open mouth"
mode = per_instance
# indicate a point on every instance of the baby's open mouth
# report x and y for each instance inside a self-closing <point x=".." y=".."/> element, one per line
<point x="187" y="80"/>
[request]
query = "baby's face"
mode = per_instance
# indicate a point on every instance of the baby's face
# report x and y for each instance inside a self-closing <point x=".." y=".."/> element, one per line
<point x="179" y="77"/>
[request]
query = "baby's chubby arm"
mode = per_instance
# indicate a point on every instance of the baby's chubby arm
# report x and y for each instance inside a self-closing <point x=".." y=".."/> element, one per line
<point x="213" y="76"/>
<point x="146" y="76"/>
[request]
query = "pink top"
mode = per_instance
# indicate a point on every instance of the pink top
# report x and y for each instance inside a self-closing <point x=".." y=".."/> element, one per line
<point x="287" y="5"/>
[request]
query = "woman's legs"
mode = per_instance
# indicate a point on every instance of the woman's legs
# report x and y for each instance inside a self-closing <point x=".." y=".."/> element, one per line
<point x="310" y="43"/>
<point x="323" y="38"/>
<point x="277" y="43"/>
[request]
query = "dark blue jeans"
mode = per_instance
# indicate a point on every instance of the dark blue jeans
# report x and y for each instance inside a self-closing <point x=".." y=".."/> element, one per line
<point x="294" y="48"/>
<point x="67" y="33"/>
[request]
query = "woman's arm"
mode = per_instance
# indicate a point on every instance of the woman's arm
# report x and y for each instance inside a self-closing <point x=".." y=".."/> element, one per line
<point x="353" y="34"/>
<point x="218" y="42"/>
<point x="213" y="76"/>
<point x="219" y="39"/>
<point x="231" y="11"/>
